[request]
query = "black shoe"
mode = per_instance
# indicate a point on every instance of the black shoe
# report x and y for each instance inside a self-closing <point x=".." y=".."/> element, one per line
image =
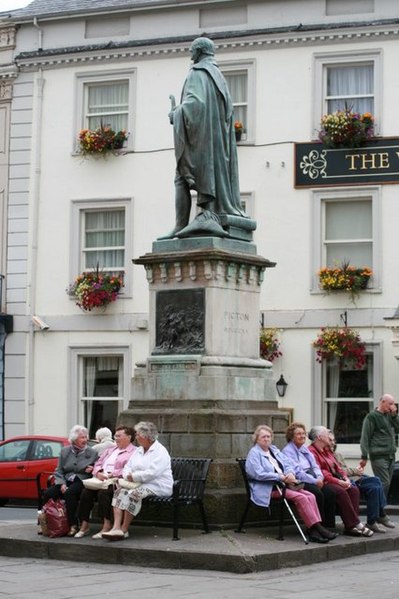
<point x="316" y="538"/>
<point x="326" y="534"/>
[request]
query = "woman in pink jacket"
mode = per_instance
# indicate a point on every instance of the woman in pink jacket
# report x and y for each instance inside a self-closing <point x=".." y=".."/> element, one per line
<point x="109" y="465"/>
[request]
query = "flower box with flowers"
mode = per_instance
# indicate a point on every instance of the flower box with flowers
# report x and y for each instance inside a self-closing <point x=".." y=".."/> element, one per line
<point x="343" y="344"/>
<point x="346" y="129"/>
<point x="345" y="278"/>
<point x="101" y="141"/>
<point x="269" y="344"/>
<point x="95" y="290"/>
<point x="238" y="130"/>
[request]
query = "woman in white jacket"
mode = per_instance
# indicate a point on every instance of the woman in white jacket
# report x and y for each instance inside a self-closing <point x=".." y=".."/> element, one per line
<point x="150" y="468"/>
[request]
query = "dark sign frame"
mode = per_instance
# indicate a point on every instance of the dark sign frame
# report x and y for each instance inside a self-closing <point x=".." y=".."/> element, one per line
<point x="376" y="162"/>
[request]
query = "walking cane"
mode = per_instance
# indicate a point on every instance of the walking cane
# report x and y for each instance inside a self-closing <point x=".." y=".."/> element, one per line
<point x="287" y="505"/>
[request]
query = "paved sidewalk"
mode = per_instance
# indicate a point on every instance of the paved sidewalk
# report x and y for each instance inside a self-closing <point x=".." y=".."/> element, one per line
<point x="361" y="577"/>
<point x="224" y="551"/>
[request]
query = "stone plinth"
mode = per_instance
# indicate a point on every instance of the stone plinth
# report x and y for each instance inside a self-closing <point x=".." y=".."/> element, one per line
<point x="203" y="383"/>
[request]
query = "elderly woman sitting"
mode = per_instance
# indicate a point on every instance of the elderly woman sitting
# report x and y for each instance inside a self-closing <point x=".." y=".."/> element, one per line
<point x="346" y="494"/>
<point x="74" y="465"/>
<point x="108" y="467"/>
<point x="150" y="468"/>
<point x="307" y="471"/>
<point x="104" y="440"/>
<point x="265" y="466"/>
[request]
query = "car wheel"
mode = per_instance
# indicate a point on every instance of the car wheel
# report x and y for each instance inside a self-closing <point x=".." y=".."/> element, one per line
<point x="3" y="502"/>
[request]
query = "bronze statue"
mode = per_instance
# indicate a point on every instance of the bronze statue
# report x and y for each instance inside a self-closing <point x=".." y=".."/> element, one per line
<point x="205" y="148"/>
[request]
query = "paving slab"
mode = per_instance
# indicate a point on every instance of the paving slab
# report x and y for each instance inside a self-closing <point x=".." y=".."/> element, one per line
<point x="257" y="550"/>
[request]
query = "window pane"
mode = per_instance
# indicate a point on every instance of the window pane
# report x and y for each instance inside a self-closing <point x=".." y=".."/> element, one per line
<point x="348" y="233"/>
<point x="347" y="80"/>
<point x="351" y="86"/>
<point x="104" y="239"/>
<point x="238" y="86"/>
<point x="102" y="376"/>
<point x="108" y="104"/>
<point x="100" y="413"/>
<point x="109" y="260"/>
<point x="349" y="220"/>
<point x="345" y="418"/>
<point x="357" y="254"/>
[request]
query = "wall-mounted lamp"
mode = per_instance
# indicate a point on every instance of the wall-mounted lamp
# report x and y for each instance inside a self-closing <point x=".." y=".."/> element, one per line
<point x="281" y="386"/>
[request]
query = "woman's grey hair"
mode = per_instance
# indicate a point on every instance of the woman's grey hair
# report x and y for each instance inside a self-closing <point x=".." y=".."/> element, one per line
<point x="259" y="428"/>
<point x="103" y="433"/>
<point x="75" y="432"/>
<point x="315" y="432"/>
<point x="148" y="430"/>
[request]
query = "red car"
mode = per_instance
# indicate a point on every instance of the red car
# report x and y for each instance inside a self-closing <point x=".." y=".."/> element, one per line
<point x="21" y="459"/>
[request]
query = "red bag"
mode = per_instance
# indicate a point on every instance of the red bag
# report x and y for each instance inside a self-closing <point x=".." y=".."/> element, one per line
<point x="56" y="516"/>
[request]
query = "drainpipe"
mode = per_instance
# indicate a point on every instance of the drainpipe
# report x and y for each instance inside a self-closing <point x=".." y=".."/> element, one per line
<point x="40" y="33"/>
<point x="32" y="274"/>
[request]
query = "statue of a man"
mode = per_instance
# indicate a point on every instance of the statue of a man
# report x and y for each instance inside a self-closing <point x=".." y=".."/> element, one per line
<point x="205" y="148"/>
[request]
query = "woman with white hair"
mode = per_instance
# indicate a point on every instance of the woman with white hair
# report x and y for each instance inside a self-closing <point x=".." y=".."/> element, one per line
<point x="104" y="440"/>
<point x="150" y="468"/>
<point x="74" y="465"/>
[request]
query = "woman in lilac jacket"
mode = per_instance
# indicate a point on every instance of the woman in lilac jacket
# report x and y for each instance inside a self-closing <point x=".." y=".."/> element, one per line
<point x="308" y="472"/>
<point x="266" y="465"/>
<point x="109" y="465"/>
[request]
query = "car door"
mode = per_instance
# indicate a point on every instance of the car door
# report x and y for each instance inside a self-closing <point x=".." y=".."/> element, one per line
<point x="43" y="457"/>
<point x="13" y="468"/>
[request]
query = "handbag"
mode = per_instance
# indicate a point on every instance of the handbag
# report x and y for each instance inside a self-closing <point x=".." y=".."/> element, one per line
<point x="56" y="518"/>
<point x="127" y="484"/>
<point x="95" y="484"/>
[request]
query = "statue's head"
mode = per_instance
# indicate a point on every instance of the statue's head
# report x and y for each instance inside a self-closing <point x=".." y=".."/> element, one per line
<point x="202" y="46"/>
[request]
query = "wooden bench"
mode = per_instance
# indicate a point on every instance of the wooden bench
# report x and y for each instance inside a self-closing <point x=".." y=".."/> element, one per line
<point x="189" y="476"/>
<point x="280" y="502"/>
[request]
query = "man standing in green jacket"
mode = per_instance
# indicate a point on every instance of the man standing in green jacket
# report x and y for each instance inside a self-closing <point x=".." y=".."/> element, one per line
<point x="378" y="440"/>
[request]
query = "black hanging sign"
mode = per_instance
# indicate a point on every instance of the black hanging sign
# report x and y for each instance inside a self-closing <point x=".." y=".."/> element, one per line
<point x="377" y="162"/>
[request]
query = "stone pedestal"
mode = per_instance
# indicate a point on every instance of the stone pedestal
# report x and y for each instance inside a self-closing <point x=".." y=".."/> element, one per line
<point x="203" y="384"/>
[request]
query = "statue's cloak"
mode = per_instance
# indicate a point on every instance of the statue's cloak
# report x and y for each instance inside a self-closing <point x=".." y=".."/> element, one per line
<point x="205" y="146"/>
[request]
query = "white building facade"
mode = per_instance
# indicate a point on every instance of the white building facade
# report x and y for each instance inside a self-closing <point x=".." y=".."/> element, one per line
<point x="74" y="64"/>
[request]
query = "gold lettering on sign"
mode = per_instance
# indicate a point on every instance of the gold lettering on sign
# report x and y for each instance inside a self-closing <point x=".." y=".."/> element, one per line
<point x="384" y="160"/>
<point x="372" y="161"/>
<point x="352" y="161"/>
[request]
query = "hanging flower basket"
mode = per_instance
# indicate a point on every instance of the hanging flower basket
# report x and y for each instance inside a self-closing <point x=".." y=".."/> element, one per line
<point x="345" y="278"/>
<point x="101" y="141"/>
<point x="343" y="344"/>
<point x="346" y="129"/>
<point x="95" y="289"/>
<point x="269" y="344"/>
